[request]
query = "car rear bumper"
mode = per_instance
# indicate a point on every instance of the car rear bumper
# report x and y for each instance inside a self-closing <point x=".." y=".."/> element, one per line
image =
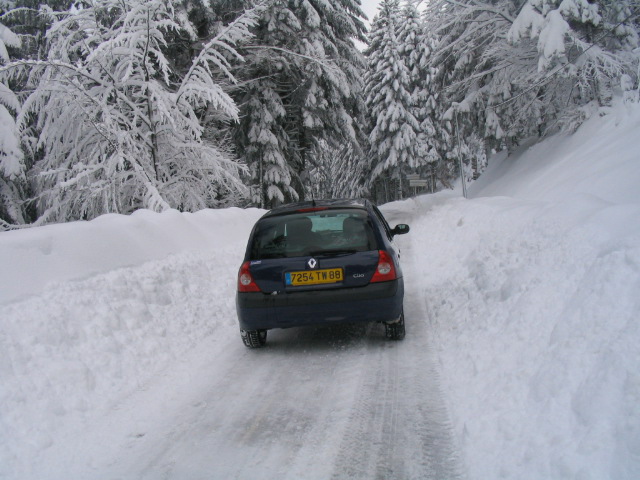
<point x="376" y="302"/>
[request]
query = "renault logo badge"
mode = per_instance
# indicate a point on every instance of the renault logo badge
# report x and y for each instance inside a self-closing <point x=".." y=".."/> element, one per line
<point x="312" y="263"/>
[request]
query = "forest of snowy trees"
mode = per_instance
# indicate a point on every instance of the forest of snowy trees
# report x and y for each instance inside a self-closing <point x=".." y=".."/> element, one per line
<point x="115" y="105"/>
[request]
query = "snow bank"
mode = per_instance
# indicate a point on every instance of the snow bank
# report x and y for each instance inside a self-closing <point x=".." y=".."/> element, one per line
<point x="33" y="258"/>
<point x="115" y="302"/>
<point x="601" y="161"/>
<point x="532" y="289"/>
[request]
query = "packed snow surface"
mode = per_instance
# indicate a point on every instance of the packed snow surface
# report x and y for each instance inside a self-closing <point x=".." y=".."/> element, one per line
<point x="121" y="356"/>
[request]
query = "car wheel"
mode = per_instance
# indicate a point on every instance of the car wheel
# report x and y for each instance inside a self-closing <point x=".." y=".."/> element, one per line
<point x="254" y="338"/>
<point x="395" y="331"/>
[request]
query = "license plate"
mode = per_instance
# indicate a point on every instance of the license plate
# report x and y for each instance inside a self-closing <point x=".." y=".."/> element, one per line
<point x="314" y="277"/>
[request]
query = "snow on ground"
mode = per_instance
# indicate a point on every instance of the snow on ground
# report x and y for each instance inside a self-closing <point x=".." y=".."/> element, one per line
<point x="34" y="258"/>
<point x="533" y="294"/>
<point x="526" y="295"/>
<point x="117" y="300"/>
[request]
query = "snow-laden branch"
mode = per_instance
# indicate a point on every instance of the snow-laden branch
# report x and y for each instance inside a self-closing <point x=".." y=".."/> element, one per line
<point x="481" y="7"/>
<point x="319" y="61"/>
<point x="114" y="133"/>
<point x="230" y="35"/>
<point x="605" y="61"/>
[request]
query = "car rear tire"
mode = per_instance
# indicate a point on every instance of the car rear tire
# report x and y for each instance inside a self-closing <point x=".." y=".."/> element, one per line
<point x="395" y="331"/>
<point x="254" y="338"/>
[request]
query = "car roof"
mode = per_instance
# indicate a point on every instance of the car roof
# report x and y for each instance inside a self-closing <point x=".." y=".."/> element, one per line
<point x="323" y="203"/>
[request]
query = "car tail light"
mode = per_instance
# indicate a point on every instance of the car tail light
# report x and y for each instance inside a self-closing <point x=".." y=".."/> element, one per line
<point x="385" y="270"/>
<point x="246" y="283"/>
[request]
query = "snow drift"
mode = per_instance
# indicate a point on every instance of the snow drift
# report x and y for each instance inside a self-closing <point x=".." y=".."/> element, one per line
<point x="533" y="294"/>
<point x="93" y="310"/>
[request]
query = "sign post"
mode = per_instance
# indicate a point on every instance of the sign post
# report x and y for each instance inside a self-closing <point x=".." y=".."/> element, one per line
<point x="416" y="182"/>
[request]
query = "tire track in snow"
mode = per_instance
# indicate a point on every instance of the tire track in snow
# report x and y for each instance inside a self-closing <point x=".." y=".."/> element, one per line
<point x="274" y="413"/>
<point x="368" y="449"/>
<point x="399" y="426"/>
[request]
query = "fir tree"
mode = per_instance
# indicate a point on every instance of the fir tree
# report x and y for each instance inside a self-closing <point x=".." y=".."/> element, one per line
<point x="388" y="88"/>
<point x="416" y="46"/>
<point x="301" y="92"/>
<point x="583" y="49"/>
<point x="12" y="166"/>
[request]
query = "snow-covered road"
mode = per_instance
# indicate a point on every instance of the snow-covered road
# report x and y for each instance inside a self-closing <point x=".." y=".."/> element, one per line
<point x="337" y="403"/>
<point x="316" y="403"/>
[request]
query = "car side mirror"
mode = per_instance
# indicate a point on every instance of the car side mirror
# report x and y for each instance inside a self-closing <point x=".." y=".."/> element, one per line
<point x="400" y="229"/>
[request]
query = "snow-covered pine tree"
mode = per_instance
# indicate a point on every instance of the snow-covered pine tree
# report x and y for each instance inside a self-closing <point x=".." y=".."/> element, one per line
<point x="23" y="19"/>
<point x="301" y="91"/>
<point x="264" y="143"/>
<point x="331" y="103"/>
<point x="118" y="128"/>
<point x="27" y="22"/>
<point x="388" y="89"/>
<point x="416" y="45"/>
<point x="12" y="166"/>
<point x="268" y="78"/>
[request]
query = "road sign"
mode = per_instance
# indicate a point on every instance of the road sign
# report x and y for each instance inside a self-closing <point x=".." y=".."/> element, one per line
<point x="418" y="183"/>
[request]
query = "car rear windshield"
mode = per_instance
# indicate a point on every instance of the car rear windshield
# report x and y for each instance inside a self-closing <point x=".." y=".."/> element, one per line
<point x="321" y="232"/>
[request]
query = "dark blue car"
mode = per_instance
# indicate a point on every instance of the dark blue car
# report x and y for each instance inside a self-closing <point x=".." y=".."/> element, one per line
<point x="320" y="262"/>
